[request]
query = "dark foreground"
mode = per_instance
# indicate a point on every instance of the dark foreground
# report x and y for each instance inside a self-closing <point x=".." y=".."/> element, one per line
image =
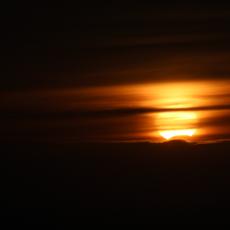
<point x="116" y="183"/>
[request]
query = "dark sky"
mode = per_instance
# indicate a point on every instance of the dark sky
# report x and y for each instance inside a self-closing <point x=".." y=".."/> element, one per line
<point x="95" y="44"/>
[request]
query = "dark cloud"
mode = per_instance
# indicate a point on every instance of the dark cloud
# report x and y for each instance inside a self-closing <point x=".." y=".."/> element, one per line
<point x="46" y="113"/>
<point x="97" y="44"/>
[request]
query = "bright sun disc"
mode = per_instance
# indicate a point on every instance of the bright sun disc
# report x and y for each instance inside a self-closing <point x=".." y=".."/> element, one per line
<point x="169" y="134"/>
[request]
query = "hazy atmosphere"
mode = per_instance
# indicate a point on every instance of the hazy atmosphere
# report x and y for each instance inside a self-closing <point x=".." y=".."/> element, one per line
<point x="116" y="112"/>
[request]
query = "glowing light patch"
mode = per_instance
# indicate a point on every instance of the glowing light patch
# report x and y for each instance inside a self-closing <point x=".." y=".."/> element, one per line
<point x="175" y="133"/>
<point x="179" y="116"/>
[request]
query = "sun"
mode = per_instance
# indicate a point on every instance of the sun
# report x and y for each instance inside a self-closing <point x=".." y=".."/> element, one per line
<point x="169" y="134"/>
<point x="177" y="124"/>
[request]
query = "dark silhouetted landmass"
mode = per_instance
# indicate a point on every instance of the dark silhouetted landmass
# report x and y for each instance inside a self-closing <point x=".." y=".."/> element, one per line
<point x="173" y="182"/>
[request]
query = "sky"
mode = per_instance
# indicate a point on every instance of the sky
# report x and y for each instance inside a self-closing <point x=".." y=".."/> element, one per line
<point x="109" y="72"/>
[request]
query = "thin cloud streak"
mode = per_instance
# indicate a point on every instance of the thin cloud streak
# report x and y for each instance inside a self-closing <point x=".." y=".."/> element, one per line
<point x="102" y="113"/>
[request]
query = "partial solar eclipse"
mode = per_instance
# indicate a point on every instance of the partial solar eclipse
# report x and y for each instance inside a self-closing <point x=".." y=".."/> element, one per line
<point x="177" y="125"/>
<point x="169" y="134"/>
